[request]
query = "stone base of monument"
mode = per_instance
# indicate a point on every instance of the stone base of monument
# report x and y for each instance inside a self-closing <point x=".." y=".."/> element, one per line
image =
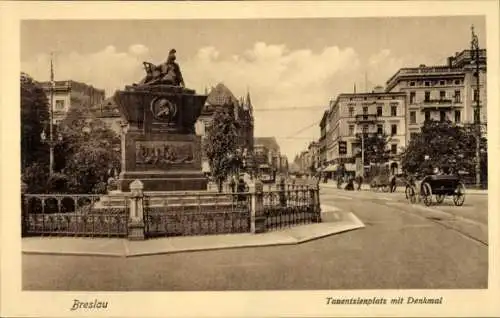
<point x="165" y="181"/>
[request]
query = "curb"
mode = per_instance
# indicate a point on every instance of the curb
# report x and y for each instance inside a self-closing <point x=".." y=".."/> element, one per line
<point x="93" y="254"/>
<point x="350" y="223"/>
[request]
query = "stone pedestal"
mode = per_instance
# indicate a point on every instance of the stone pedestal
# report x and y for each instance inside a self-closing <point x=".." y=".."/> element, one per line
<point x="160" y="147"/>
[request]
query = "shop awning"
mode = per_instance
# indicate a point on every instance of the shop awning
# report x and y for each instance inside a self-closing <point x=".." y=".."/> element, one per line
<point x="350" y="167"/>
<point x="331" y="168"/>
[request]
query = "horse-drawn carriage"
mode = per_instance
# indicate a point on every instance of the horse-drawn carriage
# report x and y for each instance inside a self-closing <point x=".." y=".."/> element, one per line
<point x="439" y="186"/>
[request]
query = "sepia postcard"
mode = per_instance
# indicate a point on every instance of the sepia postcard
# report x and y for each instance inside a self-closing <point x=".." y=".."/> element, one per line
<point x="250" y="159"/>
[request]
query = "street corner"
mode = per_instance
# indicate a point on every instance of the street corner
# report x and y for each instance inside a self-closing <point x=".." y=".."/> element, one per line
<point x="333" y="223"/>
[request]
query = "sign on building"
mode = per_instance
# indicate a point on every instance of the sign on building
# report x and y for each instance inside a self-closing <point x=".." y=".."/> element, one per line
<point x="342" y="147"/>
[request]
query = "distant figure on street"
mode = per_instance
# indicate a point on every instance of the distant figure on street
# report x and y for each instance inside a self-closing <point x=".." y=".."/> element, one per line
<point x="232" y="184"/>
<point x="242" y="187"/>
<point x="392" y="187"/>
<point x="359" y="181"/>
<point x="350" y="185"/>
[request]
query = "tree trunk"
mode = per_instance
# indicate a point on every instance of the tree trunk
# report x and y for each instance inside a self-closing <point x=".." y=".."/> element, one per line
<point x="219" y="185"/>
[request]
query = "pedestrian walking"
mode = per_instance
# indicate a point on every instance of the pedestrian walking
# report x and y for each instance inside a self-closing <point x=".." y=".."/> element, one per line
<point x="232" y="185"/>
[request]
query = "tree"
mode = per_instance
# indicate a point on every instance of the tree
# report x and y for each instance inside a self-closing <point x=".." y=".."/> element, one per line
<point x="89" y="150"/>
<point x="221" y="146"/>
<point x="34" y="115"/>
<point x="441" y="144"/>
<point x="375" y="148"/>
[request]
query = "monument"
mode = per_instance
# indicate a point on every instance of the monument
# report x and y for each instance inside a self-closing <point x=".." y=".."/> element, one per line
<point x="160" y="147"/>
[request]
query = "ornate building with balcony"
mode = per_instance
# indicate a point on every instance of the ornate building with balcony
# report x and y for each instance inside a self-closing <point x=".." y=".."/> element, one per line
<point x="445" y="92"/>
<point x="350" y="114"/>
<point x="69" y="94"/>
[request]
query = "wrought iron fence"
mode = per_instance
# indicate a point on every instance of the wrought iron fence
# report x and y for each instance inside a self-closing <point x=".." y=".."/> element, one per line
<point x="72" y="215"/>
<point x="197" y="214"/>
<point x="291" y="205"/>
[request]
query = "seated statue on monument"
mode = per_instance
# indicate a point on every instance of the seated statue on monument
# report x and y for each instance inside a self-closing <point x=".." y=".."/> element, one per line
<point x="168" y="73"/>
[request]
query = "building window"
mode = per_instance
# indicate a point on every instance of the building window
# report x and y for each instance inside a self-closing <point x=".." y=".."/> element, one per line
<point x="412" y="97"/>
<point x="442" y="115"/>
<point x="379" y="110"/>
<point x="457" y="82"/>
<point x="351" y="130"/>
<point x="365" y="129"/>
<point x="394" y="111"/>
<point x="441" y="82"/>
<point x="351" y="112"/>
<point x="380" y="129"/>
<point x="365" y="110"/>
<point x="413" y="117"/>
<point x="427" y="116"/>
<point x="412" y="83"/>
<point x="427" y="83"/>
<point x="394" y="149"/>
<point x="413" y="135"/>
<point x="59" y="104"/>
<point x="394" y="130"/>
<point x="427" y="96"/>
<point x="476" y="95"/>
<point x="476" y="115"/>
<point x="457" y="116"/>
<point x="442" y="95"/>
<point x="457" y="96"/>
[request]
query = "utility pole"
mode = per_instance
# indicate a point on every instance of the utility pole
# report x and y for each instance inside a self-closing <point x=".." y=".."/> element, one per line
<point x="475" y="58"/>
<point x="51" y="127"/>
<point x="363" y="153"/>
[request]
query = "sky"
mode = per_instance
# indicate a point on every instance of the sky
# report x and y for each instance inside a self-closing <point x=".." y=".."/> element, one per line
<point x="292" y="68"/>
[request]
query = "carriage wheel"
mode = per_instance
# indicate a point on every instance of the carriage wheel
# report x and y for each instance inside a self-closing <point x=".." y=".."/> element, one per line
<point x="386" y="188"/>
<point x="410" y="194"/>
<point x="426" y="193"/>
<point x="439" y="198"/>
<point x="459" y="195"/>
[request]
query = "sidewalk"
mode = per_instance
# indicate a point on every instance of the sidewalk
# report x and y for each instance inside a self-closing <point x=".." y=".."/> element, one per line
<point x="334" y="222"/>
<point x="399" y="189"/>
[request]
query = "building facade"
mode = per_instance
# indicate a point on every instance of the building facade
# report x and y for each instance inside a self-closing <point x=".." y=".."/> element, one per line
<point x="314" y="156"/>
<point x="443" y="92"/>
<point x="322" y="140"/>
<point x="375" y="113"/>
<point x="267" y="151"/>
<point x="107" y="111"/>
<point x="69" y="94"/>
<point x="220" y="97"/>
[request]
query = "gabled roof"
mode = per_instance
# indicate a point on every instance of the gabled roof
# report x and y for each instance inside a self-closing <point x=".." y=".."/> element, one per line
<point x="221" y="95"/>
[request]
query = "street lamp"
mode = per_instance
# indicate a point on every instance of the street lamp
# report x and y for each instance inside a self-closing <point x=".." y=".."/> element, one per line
<point x="477" y="118"/>
<point x="52" y="143"/>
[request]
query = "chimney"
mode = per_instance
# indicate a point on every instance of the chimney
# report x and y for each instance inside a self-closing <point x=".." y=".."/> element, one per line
<point x="450" y="61"/>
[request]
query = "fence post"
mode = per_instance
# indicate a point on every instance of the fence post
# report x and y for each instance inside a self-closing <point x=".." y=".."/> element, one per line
<point x="136" y="219"/>
<point x="24" y="210"/>
<point x="316" y="205"/>
<point x="258" y="220"/>
<point x="282" y="194"/>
